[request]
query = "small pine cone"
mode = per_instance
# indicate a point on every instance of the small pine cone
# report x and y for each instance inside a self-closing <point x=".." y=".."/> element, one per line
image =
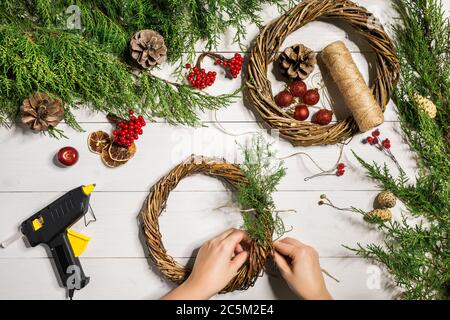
<point x="39" y="111"/>
<point x="297" y="62"/>
<point x="379" y="214"/>
<point x="386" y="199"/>
<point x="426" y="105"/>
<point x="148" y="48"/>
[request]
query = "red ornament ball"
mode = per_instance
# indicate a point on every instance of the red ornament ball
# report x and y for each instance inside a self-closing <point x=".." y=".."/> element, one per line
<point x="311" y="97"/>
<point x="323" y="117"/>
<point x="68" y="156"/>
<point x="297" y="88"/>
<point x="284" y="98"/>
<point x="301" y="112"/>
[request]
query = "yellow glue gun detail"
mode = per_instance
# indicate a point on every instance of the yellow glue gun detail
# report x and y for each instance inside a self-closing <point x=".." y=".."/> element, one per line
<point x="78" y="242"/>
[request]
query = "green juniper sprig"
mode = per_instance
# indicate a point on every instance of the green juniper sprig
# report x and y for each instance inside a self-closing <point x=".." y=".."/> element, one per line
<point x="263" y="172"/>
<point x="416" y="250"/>
<point x="89" y="66"/>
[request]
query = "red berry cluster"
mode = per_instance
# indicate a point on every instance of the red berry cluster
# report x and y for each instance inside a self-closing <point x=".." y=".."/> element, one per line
<point x="375" y="140"/>
<point x="382" y="145"/>
<point x="340" y="169"/>
<point x="233" y="65"/>
<point x="128" y="131"/>
<point x="199" y="79"/>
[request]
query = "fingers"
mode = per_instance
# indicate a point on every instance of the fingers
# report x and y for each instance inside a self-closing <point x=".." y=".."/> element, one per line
<point x="235" y="237"/>
<point x="285" y="249"/>
<point x="293" y="242"/>
<point x="224" y="234"/>
<point x="281" y="263"/>
<point x="239" y="260"/>
<point x="238" y="248"/>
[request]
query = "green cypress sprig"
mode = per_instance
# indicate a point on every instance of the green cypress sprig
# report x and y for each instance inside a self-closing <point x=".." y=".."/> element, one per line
<point x="263" y="172"/>
<point x="416" y="250"/>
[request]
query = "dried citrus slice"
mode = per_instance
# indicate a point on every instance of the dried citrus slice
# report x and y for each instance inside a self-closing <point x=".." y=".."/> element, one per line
<point x="98" y="140"/>
<point x="120" y="153"/>
<point x="108" y="161"/>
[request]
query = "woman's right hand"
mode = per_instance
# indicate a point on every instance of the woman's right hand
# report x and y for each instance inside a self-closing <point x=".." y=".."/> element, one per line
<point x="299" y="266"/>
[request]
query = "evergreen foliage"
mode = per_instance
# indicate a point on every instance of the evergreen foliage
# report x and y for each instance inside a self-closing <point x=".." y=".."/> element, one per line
<point x="417" y="254"/>
<point x="263" y="172"/>
<point x="90" y="66"/>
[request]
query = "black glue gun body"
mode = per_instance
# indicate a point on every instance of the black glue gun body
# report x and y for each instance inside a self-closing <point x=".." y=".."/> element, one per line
<point x="50" y="227"/>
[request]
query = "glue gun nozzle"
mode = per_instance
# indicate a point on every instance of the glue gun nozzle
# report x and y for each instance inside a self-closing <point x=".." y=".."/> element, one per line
<point x="87" y="189"/>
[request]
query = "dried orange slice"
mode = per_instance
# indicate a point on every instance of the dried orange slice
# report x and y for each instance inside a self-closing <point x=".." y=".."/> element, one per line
<point x="120" y="153"/>
<point x="110" y="162"/>
<point x="98" y="140"/>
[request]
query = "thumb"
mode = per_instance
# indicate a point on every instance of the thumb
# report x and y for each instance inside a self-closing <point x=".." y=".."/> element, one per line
<point x="239" y="260"/>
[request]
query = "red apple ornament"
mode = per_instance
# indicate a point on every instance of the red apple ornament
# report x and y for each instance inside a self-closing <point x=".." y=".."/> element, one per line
<point x="323" y="117"/>
<point x="297" y="88"/>
<point x="68" y="156"/>
<point x="284" y="98"/>
<point x="301" y="112"/>
<point x="311" y="97"/>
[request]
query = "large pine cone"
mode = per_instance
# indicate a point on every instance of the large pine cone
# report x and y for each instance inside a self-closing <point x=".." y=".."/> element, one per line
<point x="39" y="111"/>
<point x="297" y="62"/>
<point x="148" y="48"/>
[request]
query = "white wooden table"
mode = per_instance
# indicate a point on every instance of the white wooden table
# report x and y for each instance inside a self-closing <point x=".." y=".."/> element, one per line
<point x="200" y="207"/>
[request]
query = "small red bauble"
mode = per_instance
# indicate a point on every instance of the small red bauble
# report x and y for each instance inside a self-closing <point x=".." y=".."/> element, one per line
<point x="323" y="117"/>
<point x="68" y="156"/>
<point x="311" y="97"/>
<point x="301" y="112"/>
<point x="298" y="88"/>
<point x="284" y="98"/>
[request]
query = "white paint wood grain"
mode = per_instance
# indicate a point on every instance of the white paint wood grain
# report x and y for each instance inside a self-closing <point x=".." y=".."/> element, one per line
<point x="116" y="260"/>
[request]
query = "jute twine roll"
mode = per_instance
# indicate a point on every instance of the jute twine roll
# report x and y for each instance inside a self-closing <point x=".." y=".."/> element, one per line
<point x="357" y="95"/>
<point x="258" y="90"/>
<point x="156" y="202"/>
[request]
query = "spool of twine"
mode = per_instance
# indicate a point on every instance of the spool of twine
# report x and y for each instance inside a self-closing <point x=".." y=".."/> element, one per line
<point x="350" y="82"/>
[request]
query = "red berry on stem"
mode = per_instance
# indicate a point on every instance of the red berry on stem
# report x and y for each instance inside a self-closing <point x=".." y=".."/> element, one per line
<point x="284" y="98"/>
<point x="297" y="88"/>
<point x="68" y="156"/>
<point x="376" y="133"/>
<point x="340" y="166"/>
<point x="301" y="112"/>
<point x="311" y="97"/>
<point x="188" y="65"/>
<point x="323" y="117"/>
<point x="369" y="139"/>
<point x="375" y="140"/>
<point x="340" y="173"/>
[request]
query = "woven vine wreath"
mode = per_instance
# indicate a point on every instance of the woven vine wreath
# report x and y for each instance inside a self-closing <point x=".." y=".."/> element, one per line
<point x="265" y="51"/>
<point x="156" y="202"/>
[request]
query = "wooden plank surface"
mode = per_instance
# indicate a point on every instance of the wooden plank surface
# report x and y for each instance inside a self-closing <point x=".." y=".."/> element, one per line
<point x="200" y="207"/>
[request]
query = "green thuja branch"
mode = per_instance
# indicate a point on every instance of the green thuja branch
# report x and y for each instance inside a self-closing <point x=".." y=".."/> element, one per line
<point x="416" y="249"/>
<point x="263" y="172"/>
<point x="90" y="66"/>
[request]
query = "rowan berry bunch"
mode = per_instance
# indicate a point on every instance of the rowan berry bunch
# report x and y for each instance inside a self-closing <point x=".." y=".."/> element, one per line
<point x="127" y="131"/>
<point x="383" y="145"/>
<point x="232" y="66"/>
<point x="199" y="78"/>
<point x="340" y="169"/>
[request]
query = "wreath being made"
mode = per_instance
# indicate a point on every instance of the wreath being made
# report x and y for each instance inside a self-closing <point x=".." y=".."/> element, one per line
<point x="256" y="178"/>
<point x="266" y="50"/>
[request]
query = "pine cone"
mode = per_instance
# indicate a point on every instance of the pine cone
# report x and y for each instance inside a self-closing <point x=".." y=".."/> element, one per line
<point x="379" y="215"/>
<point x="426" y="105"/>
<point x="386" y="199"/>
<point x="297" y="61"/>
<point x="39" y="111"/>
<point x="148" y="48"/>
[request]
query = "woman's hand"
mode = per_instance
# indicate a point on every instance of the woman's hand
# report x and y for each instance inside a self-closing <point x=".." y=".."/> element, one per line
<point x="299" y="265"/>
<point x="217" y="262"/>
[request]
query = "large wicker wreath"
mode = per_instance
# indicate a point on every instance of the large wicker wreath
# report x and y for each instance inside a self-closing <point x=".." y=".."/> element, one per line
<point x="265" y="51"/>
<point x="156" y="201"/>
